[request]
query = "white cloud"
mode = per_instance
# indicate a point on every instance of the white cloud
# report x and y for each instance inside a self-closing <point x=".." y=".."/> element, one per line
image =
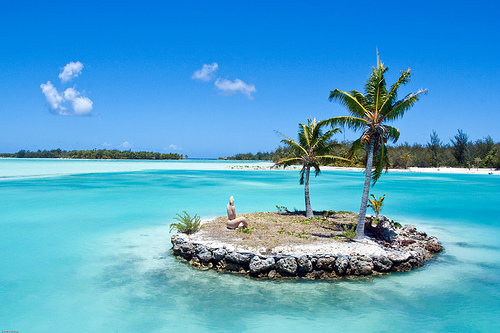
<point x="107" y="144"/>
<point x="206" y="73"/>
<point x="54" y="99"/>
<point x="126" y="144"/>
<point x="70" y="71"/>
<point x="80" y="105"/>
<point x="173" y="147"/>
<point x="231" y="87"/>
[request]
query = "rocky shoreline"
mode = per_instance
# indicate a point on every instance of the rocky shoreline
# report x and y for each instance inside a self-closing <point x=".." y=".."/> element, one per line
<point x="399" y="250"/>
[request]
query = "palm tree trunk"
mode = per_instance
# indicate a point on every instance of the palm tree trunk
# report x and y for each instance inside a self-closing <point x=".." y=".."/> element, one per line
<point x="309" y="211"/>
<point x="366" y="191"/>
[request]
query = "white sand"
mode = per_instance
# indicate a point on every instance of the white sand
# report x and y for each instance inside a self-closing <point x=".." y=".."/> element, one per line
<point x="472" y="171"/>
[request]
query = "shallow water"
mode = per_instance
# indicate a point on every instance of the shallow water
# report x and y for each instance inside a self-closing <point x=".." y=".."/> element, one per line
<point x="84" y="248"/>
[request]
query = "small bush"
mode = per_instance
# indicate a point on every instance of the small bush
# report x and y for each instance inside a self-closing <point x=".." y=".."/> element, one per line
<point x="349" y="232"/>
<point x="281" y="209"/>
<point x="396" y="225"/>
<point x="245" y="231"/>
<point x="187" y="224"/>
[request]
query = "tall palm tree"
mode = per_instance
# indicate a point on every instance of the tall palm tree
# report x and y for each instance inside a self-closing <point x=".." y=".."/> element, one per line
<point x="311" y="150"/>
<point x="370" y="113"/>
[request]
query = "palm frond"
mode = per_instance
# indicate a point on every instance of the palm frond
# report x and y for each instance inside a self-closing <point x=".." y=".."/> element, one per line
<point x="400" y="107"/>
<point x="291" y="142"/>
<point x="289" y="161"/>
<point x="304" y="136"/>
<point x="355" y="106"/>
<point x="354" y="123"/>
<point x="381" y="162"/>
<point x="356" y="146"/>
<point x="375" y="90"/>
<point x="327" y="158"/>
<point x="391" y="133"/>
<point x="392" y="95"/>
<point x="302" y="174"/>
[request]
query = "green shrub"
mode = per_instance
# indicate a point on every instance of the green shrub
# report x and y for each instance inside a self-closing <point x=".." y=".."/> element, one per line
<point x="187" y="224"/>
<point x="281" y="209"/>
<point x="349" y="232"/>
<point x="245" y="231"/>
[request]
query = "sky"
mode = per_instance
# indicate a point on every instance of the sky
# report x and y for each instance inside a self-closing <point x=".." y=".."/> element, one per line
<point x="216" y="78"/>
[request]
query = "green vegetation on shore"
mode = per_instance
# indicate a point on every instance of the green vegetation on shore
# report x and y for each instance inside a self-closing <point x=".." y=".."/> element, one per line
<point x="95" y="154"/>
<point x="482" y="153"/>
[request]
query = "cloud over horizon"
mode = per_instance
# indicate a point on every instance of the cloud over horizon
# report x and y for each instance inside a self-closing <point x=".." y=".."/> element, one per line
<point x="70" y="71"/>
<point x="70" y="102"/>
<point x="206" y="73"/>
<point x="231" y="87"/>
<point x="228" y="87"/>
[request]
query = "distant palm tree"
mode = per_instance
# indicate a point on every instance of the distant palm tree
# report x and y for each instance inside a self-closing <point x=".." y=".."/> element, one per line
<point x="311" y="151"/>
<point x="370" y="112"/>
<point x="406" y="158"/>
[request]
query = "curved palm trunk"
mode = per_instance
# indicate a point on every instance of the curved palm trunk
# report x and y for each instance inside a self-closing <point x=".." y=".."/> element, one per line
<point x="366" y="191"/>
<point x="309" y="211"/>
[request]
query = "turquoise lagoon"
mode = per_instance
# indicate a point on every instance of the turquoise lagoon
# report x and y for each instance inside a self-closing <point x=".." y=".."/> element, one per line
<point x="84" y="247"/>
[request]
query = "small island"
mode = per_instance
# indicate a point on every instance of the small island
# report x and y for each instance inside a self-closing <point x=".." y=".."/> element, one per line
<point x="287" y="245"/>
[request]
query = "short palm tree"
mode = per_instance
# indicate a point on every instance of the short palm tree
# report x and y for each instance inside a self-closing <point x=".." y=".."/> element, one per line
<point x="370" y="113"/>
<point x="376" y="204"/>
<point x="311" y="151"/>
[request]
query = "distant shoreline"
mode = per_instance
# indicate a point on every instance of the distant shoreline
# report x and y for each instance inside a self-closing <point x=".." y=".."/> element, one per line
<point x="465" y="171"/>
<point x="446" y="170"/>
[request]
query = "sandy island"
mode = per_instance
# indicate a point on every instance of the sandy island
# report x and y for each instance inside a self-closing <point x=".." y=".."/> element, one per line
<point x="288" y="245"/>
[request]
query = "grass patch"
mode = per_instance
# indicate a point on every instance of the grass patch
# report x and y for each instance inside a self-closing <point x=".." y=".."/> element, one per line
<point x="271" y="229"/>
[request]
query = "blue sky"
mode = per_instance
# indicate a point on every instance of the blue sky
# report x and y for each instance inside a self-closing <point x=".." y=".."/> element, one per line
<point x="123" y="75"/>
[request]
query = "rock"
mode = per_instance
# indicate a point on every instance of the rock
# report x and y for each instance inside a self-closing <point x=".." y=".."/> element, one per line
<point x="418" y="253"/>
<point x="325" y="263"/>
<point x="205" y="255"/>
<point x="258" y="265"/>
<point x="304" y="264"/>
<point x="238" y="257"/>
<point x="219" y="254"/>
<point x="386" y="231"/>
<point x="195" y="262"/>
<point x="410" y="229"/>
<point x="232" y="266"/>
<point x="401" y="267"/>
<point x="432" y="245"/>
<point x="405" y="241"/>
<point x="286" y="266"/>
<point x="361" y="265"/>
<point x="341" y="265"/>
<point x="187" y="250"/>
<point x="199" y="248"/>
<point x="398" y="256"/>
<point x="382" y="264"/>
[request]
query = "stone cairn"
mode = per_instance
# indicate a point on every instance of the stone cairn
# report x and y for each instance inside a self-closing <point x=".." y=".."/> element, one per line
<point x="407" y="249"/>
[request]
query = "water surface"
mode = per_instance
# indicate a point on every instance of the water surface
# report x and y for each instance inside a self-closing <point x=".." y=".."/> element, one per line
<point x="84" y="247"/>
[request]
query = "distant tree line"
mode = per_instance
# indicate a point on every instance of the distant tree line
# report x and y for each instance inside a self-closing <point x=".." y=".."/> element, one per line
<point x="459" y="152"/>
<point x="95" y="154"/>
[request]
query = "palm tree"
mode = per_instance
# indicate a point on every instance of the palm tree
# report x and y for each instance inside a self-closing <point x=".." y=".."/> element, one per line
<point x="370" y="112"/>
<point x="376" y="204"/>
<point x="406" y="158"/>
<point x="311" y="150"/>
